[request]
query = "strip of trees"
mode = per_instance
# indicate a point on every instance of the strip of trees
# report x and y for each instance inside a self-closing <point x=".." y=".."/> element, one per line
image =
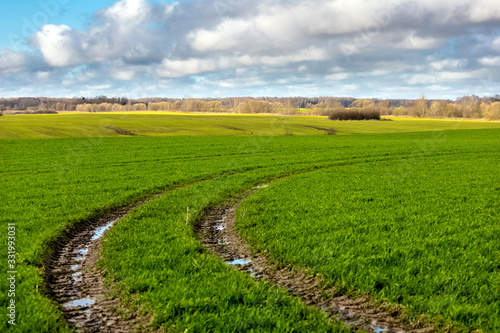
<point x="463" y="107"/>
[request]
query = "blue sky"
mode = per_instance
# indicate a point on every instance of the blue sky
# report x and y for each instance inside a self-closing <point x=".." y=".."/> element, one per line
<point x="219" y="48"/>
<point x="24" y="18"/>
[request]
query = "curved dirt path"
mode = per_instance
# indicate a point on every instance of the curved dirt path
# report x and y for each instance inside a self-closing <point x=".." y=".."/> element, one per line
<point x="74" y="281"/>
<point x="216" y="231"/>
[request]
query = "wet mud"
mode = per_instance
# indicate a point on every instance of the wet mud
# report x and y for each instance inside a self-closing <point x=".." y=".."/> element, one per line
<point x="74" y="280"/>
<point x="217" y="232"/>
<point x="77" y="284"/>
<point x="121" y="131"/>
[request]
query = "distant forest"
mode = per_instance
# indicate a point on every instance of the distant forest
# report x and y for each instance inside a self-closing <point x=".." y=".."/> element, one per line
<point x="463" y="107"/>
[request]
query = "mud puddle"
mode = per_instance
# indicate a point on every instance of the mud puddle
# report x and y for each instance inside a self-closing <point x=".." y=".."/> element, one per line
<point x="216" y="231"/>
<point x="75" y="282"/>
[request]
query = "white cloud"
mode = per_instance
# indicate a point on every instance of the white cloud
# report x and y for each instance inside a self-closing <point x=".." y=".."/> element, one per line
<point x="58" y="45"/>
<point x="413" y="42"/>
<point x="438" y="87"/>
<point x="122" y="32"/>
<point x="490" y="61"/>
<point x="311" y="54"/>
<point x="312" y="18"/>
<point x="338" y="76"/>
<point x="123" y="75"/>
<point x="127" y="12"/>
<point x="440" y="77"/>
<point x="456" y="11"/>
<point x="42" y="75"/>
<point x="350" y="87"/>
<point x="496" y="44"/>
<point x="273" y="42"/>
<point x="484" y="10"/>
<point x="179" y="68"/>
<point x="99" y="87"/>
<point x="377" y="72"/>
<point x="12" y="62"/>
<point x="225" y="36"/>
<point x="448" y="64"/>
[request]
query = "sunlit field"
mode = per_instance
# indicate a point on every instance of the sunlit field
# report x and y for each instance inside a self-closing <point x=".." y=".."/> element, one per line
<point x="404" y="210"/>
<point x="147" y="123"/>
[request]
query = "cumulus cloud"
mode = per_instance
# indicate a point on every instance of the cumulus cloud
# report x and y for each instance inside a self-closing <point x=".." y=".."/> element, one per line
<point x="58" y="45"/>
<point x="125" y="75"/>
<point x="445" y="76"/>
<point x="193" y="66"/>
<point x="420" y="43"/>
<point x="490" y="61"/>
<point x="228" y="46"/>
<point x="496" y="44"/>
<point x="121" y="31"/>
<point x="12" y="62"/>
<point x="179" y="68"/>
<point x="226" y="35"/>
<point x="484" y="10"/>
<point x="448" y="64"/>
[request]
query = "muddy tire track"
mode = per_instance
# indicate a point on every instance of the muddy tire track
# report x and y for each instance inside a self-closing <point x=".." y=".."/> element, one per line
<point x="121" y="131"/>
<point x="217" y="232"/>
<point x="73" y="279"/>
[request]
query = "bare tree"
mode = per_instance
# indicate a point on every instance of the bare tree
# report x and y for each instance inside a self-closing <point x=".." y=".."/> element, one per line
<point x="420" y="107"/>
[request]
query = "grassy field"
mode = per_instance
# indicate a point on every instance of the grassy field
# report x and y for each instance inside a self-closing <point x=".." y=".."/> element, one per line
<point x="77" y="172"/>
<point x="422" y="232"/>
<point x="68" y="125"/>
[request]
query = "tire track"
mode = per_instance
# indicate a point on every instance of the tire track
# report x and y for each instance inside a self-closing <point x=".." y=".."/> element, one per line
<point x="73" y="279"/>
<point x="77" y="284"/>
<point x="217" y="233"/>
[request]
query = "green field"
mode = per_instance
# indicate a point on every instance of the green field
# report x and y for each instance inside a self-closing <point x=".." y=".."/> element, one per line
<point x="147" y="123"/>
<point x="405" y="210"/>
<point x="422" y="232"/>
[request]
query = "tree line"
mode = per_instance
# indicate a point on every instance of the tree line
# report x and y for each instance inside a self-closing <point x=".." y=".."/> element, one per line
<point x="463" y="107"/>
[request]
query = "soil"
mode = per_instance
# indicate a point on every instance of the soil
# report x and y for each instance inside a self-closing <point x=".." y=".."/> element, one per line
<point x="121" y="131"/>
<point x="217" y="232"/>
<point x="329" y="131"/>
<point x="74" y="280"/>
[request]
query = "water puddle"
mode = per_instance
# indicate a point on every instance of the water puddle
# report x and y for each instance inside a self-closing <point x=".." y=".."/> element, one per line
<point x="218" y="235"/>
<point x="84" y="305"/>
<point x="222" y="242"/>
<point x="75" y="277"/>
<point x="239" y="262"/>
<point x="84" y="251"/>
<point x="254" y="274"/>
<point x="79" y="302"/>
<point x="100" y="231"/>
